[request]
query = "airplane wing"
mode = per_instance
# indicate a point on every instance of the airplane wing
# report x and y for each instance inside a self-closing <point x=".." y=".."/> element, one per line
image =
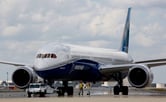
<point x="125" y="67"/>
<point x="155" y="60"/>
<point x="12" y="63"/>
<point x="108" y="69"/>
<point x="153" y="63"/>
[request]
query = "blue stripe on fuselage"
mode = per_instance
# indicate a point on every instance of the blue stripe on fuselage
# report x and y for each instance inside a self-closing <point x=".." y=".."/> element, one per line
<point x="85" y="70"/>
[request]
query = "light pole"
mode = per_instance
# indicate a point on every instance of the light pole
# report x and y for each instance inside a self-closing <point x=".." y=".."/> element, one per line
<point x="7" y="80"/>
<point x="7" y="77"/>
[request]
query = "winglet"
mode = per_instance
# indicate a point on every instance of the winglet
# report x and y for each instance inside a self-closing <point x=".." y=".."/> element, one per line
<point x="125" y="39"/>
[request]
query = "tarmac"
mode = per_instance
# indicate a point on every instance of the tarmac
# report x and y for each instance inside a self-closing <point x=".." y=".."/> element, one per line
<point x="89" y="99"/>
<point x="97" y="95"/>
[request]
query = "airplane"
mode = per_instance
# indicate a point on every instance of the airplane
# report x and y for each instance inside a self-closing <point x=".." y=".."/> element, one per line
<point x="67" y="62"/>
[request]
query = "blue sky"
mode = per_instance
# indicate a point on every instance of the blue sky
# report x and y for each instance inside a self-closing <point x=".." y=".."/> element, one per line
<point x="26" y="25"/>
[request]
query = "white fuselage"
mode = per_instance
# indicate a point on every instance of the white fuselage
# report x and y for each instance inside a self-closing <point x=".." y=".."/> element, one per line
<point x="66" y="53"/>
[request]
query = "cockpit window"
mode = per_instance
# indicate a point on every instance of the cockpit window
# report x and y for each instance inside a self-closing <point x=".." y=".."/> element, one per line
<point x="47" y="55"/>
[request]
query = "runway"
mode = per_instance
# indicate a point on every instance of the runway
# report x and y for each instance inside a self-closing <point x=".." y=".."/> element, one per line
<point x="95" y="91"/>
<point x="98" y="95"/>
<point x="90" y="99"/>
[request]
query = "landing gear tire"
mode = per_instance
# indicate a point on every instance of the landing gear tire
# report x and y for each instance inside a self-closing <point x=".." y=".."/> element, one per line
<point x="62" y="90"/>
<point x="118" y="89"/>
<point x="124" y="90"/>
<point x="42" y="94"/>
<point x="70" y="91"/>
<point x="29" y="95"/>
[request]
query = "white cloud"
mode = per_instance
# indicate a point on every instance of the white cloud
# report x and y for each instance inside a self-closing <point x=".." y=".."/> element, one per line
<point x="9" y="7"/>
<point x="153" y="28"/>
<point x="144" y="40"/>
<point x="6" y="7"/>
<point x="149" y="34"/>
<point x="37" y="17"/>
<point x="12" y="30"/>
<point x="22" y="47"/>
<point x="107" y="23"/>
<point x="98" y="43"/>
<point x="134" y="3"/>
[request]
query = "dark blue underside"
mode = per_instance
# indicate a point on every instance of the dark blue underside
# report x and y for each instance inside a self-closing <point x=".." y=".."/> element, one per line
<point x="85" y="70"/>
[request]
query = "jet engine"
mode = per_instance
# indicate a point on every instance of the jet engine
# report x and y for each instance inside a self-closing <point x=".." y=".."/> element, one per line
<point x="140" y="76"/>
<point x="23" y="76"/>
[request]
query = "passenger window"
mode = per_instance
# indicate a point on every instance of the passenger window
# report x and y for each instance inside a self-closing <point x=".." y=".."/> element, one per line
<point x="38" y="56"/>
<point x="53" y="56"/>
<point x="46" y="55"/>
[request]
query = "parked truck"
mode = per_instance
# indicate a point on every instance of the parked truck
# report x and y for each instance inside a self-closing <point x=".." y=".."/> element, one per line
<point x="37" y="88"/>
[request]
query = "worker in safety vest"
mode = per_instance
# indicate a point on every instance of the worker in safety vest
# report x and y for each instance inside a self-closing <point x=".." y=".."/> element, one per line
<point x="88" y="86"/>
<point x="81" y="88"/>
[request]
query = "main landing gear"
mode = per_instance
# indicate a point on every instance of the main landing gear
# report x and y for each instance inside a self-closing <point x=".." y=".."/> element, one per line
<point x="65" y="89"/>
<point x="120" y="88"/>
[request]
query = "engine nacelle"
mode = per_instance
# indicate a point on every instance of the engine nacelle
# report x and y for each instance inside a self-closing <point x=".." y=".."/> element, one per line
<point x="140" y="76"/>
<point x="23" y="76"/>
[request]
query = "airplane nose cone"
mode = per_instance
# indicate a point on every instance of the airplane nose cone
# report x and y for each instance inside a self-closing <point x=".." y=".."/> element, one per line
<point x="51" y="55"/>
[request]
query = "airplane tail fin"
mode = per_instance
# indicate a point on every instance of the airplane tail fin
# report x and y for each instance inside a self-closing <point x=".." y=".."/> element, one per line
<point x="125" y="39"/>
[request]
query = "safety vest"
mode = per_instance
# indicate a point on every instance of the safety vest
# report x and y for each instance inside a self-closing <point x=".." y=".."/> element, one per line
<point x="81" y="86"/>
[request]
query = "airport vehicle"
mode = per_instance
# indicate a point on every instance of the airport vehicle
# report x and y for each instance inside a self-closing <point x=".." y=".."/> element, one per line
<point x="36" y="88"/>
<point x="67" y="62"/>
